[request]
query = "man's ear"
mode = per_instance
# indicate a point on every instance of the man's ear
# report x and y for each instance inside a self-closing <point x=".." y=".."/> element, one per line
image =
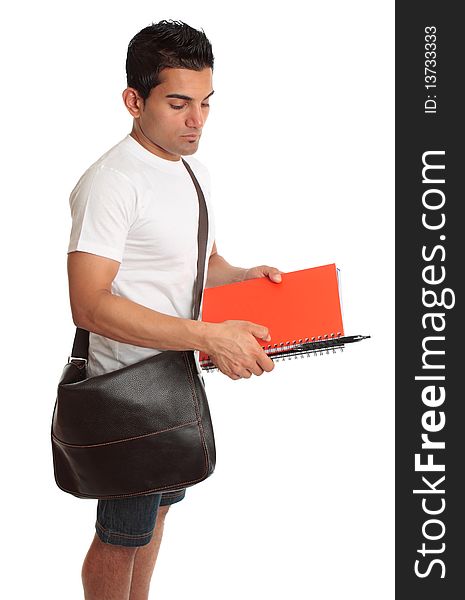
<point x="133" y="102"/>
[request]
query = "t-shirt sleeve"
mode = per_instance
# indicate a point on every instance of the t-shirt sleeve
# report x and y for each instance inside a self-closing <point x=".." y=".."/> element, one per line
<point x="103" y="208"/>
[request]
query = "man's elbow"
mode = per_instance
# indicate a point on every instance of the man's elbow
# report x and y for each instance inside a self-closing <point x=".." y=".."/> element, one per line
<point x="80" y="318"/>
<point x="84" y="313"/>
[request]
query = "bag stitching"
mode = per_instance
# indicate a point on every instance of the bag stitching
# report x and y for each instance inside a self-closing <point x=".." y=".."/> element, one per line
<point x="136" y="437"/>
<point x="114" y="496"/>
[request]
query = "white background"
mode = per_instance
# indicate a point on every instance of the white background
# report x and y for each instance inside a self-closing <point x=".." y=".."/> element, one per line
<point x="299" y="144"/>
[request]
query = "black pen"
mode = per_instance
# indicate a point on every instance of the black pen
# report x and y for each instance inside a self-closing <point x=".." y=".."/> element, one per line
<point x="354" y="338"/>
<point x="306" y="347"/>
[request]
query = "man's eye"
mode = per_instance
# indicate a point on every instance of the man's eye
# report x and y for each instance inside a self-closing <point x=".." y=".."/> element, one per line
<point x="179" y="106"/>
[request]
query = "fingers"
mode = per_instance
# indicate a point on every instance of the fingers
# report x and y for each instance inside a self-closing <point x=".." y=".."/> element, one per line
<point x="259" y="331"/>
<point x="274" y="274"/>
<point x="265" y="363"/>
<point x="238" y="353"/>
<point x="245" y="374"/>
<point x="252" y="368"/>
<point x="258" y="362"/>
<point x="262" y="364"/>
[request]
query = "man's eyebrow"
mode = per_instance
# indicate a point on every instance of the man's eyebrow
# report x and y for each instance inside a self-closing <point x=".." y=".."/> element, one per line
<point x="182" y="97"/>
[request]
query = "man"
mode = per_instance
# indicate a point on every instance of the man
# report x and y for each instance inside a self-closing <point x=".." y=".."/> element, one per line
<point x="132" y="262"/>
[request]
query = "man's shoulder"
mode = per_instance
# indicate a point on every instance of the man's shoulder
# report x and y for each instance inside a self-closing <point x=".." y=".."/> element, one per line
<point x="115" y="164"/>
<point x="117" y="159"/>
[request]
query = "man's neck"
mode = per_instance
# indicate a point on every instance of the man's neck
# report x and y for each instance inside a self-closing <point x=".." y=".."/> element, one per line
<point x="149" y="145"/>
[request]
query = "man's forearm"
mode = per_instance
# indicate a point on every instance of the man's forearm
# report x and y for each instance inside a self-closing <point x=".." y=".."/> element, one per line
<point x="125" y="321"/>
<point x="128" y="322"/>
<point x="221" y="272"/>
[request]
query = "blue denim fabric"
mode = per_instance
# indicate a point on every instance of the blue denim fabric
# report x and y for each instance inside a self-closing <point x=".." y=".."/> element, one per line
<point x="130" y="521"/>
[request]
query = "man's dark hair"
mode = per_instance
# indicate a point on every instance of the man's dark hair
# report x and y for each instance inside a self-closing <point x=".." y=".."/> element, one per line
<point x="165" y="44"/>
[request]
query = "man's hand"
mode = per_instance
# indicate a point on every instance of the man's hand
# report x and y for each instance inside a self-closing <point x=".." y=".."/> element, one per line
<point x="234" y="350"/>
<point x="231" y="345"/>
<point x="272" y="273"/>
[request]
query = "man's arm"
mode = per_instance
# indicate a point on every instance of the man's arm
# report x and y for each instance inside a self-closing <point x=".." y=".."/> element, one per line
<point x="221" y="272"/>
<point x="94" y="307"/>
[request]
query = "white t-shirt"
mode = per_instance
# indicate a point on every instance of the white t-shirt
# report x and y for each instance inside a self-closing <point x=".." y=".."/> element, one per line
<point x="142" y="211"/>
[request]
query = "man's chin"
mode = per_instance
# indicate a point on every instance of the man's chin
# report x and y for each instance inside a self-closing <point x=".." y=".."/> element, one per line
<point x="190" y="149"/>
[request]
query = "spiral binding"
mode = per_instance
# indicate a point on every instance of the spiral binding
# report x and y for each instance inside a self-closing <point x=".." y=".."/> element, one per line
<point x="320" y="345"/>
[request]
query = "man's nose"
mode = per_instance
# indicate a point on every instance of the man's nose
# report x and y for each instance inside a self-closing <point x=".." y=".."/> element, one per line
<point x="195" y="117"/>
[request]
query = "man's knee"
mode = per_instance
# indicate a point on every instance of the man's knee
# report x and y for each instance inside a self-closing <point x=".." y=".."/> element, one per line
<point x="100" y="547"/>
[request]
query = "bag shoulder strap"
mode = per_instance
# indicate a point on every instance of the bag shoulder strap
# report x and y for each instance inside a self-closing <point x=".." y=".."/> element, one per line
<point x="81" y="338"/>
<point x="202" y="235"/>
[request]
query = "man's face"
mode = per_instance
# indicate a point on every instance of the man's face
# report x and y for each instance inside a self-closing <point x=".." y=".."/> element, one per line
<point x="171" y="119"/>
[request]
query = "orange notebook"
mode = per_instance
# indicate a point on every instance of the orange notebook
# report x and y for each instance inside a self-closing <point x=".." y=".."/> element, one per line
<point x="304" y="307"/>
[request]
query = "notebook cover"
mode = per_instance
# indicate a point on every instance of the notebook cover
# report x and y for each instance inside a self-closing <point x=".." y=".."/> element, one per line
<point x="305" y="305"/>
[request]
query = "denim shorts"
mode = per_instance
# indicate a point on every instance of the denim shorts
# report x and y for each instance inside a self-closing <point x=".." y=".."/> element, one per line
<point x="131" y="521"/>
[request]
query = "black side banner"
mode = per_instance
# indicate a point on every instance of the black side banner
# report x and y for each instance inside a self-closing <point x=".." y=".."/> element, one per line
<point x="430" y="238"/>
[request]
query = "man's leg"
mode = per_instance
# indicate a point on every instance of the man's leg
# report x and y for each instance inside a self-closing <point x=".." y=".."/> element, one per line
<point x="107" y="571"/>
<point x="145" y="559"/>
<point x="112" y="572"/>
